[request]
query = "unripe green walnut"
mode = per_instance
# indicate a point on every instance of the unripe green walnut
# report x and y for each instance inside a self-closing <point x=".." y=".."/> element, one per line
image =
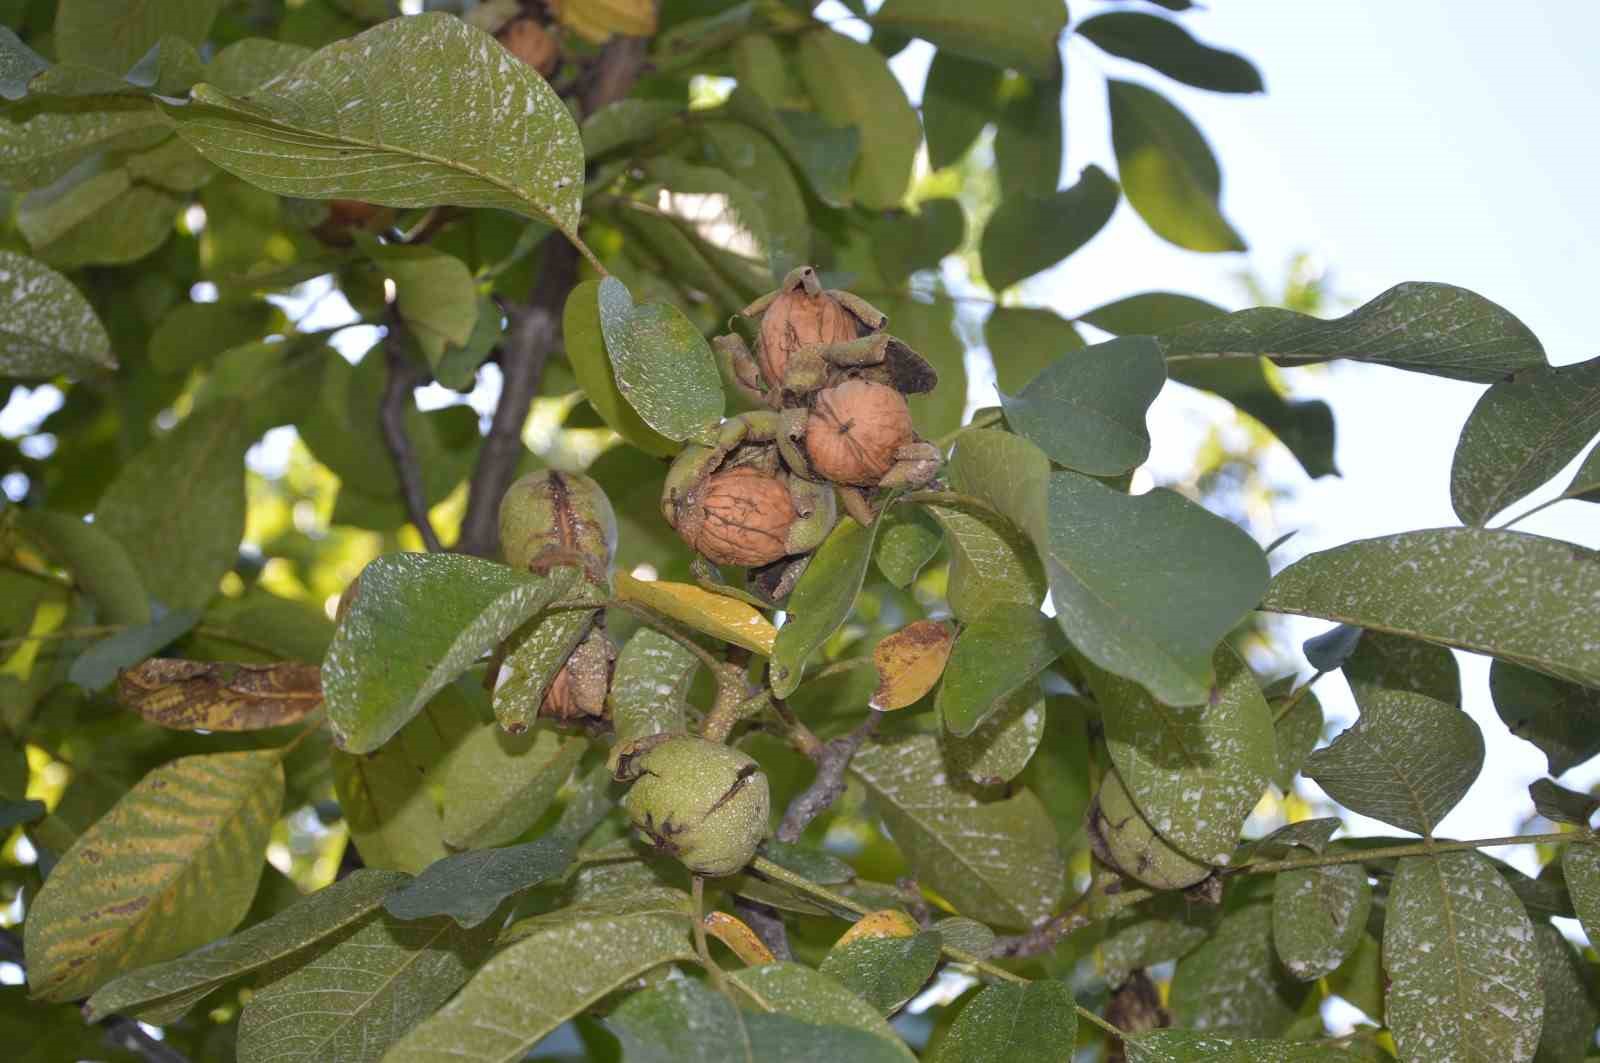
<point x="701" y="801"/>
<point x="550" y="518"/>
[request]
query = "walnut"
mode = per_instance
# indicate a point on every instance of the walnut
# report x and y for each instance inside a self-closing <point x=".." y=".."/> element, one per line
<point x="578" y="692"/>
<point x="798" y="318"/>
<point x="532" y="43"/>
<point x="855" y="430"/>
<point x="739" y="517"/>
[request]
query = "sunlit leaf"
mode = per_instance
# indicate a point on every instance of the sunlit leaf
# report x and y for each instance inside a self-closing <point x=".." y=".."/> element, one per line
<point x="853" y="86"/>
<point x="1086" y="410"/>
<point x="1012" y="1024"/>
<point x="909" y="663"/>
<point x="884" y="971"/>
<point x="664" y="367"/>
<point x="718" y="615"/>
<point x="794" y="990"/>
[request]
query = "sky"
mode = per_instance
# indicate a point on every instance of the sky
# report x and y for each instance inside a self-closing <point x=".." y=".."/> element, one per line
<point x="1424" y="140"/>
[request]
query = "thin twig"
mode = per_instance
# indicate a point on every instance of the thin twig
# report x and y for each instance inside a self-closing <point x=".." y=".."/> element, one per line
<point x="1295" y="698"/>
<point x="1426" y="847"/>
<point x="404" y="377"/>
<point x="832" y="760"/>
<point x="1044" y="937"/>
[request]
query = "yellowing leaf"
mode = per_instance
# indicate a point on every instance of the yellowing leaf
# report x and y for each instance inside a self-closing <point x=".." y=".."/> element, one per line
<point x="909" y="663"/>
<point x="739" y="938"/>
<point x="173" y="865"/>
<point x="717" y="615"/>
<point x="887" y="923"/>
<point x="596" y="21"/>
<point x="220" y="696"/>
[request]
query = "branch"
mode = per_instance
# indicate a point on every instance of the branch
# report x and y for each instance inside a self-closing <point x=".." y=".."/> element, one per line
<point x="1045" y="936"/>
<point x="404" y="376"/>
<point x="832" y="760"/>
<point x="1426" y="847"/>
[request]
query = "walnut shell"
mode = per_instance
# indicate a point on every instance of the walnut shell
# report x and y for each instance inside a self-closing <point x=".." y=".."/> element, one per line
<point x="739" y="517"/>
<point x="854" y="430"/>
<point x="532" y="43"/>
<point x="578" y="692"/>
<point x="796" y="319"/>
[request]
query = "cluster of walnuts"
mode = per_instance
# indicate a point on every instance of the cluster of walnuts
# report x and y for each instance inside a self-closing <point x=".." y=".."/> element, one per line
<point x="834" y="430"/>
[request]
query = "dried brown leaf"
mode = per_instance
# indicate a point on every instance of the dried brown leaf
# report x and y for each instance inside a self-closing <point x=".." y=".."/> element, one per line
<point x="220" y="695"/>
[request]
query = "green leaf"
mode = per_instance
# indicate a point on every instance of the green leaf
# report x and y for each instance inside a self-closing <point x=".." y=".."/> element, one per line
<point x="1418" y="326"/>
<point x="1304" y="426"/>
<point x="903" y="243"/>
<point x="191" y="334"/>
<point x="177" y="507"/>
<point x="97" y="562"/>
<point x="1023" y="340"/>
<point x="354" y="1000"/>
<point x="800" y="992"/>
<point x="907" y="540"/>
<point x="1406" y="761"/>
<point x="626" y="121"/>
<point x="1027" y="234"/>
<point x="497" y="1018"/>
<point x="1232" y="982"/>
<point x="497" y="785"/>
<point x="1149" y="313"/>
<point x="342" y="126"/>
<point x="821" y="601"/>
<point x="1318" y="917"/>
<point x="1562" y="719"/>
<point x="1166" y="927"/>
<point x="1585" y="483"/>
<point x="533" y="657"/>
<point x="1032" y="1023"/>
<point x="1165" y="46"/>
<point x="1462" y="964"/>
<point x="766" y="180"/>
<point x="1511" y="595"/>
<point x="1001" y="747"/>
<point x="995" y="861"/>
<point x="1570" y="1014"/>
<point x="991" y="561"/>
<point x="1581" y="864"/>
<point x="650" y="687"/>
<point x="97" y="666"/>
<point x="47" y="327"/>
<point x="1016" y="34"/>
<point x="1122" y="603"/>
<point x="172" y="866"/>
<point x="1521" y="433"/>
<point x="1298" y="730"/>
<point x="1393" y="662"/>
<point x="1059" y="770"/>
<point x="824" y="154"/>
<point x="469" y="887"/>
<point x="383" y="666"/>
<point x="957" y="102"/>
<point x="47" y="144"/>
<point x="1195" y="772"/>
<point x="664" y="367"/>
<point x="996" y="654"/>
<point x="1168" y="172"/>
<point x="1561" y="805"/>
<point x="1087" y="410"/>
<point x="1125" y="841"/>
<point x="586" y="351"/>
<point x="1029" y="129"/>
<point x="884" y="971"/>
<point x="434" y="295"/>
<point x="929" y="328"/>
<point x="19" y="64"/>
<point x="114" y="34"/>
<point x="244" y="66"/>
<point x="852" y="86"/>
<point x="110" y="229"/>
<point x="1197" y="1046"/>
<point x="162" y="993"/>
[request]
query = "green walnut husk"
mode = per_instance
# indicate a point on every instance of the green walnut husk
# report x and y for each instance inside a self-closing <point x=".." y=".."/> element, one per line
<point x="550" y="518"/>
<point x="701" y="801"/>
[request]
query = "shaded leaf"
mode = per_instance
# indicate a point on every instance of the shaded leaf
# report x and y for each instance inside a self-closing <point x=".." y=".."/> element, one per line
<point x="165" y="991"/>
<point x="245" y="65"/>
<point x="996" y="654"/>
<point x="623" y="122"/>
<point x="497" y="785"/>
<point x="1087" y="410"/>
<point x="1394" y="662"/>
<point x="1149" y="313"/>
<point x="1059" y="770"/>
<point x="1581" y="864"/>
<point x="1023" y="340"/>
<point x="907" y="540"/>
<point x="47" y="327"/>
<point x="1167" y="170"/>
<point x="537" y="652"/>
<point x="1232" y="982"/>
<point x="1124" y="840"/>
<point x="496" y="1018"/>
<point x="995" y="861"/>
<point x="991" y="561"/>
<point x="1166" y="927"/>
<point x="172" y="866"/>
<point x="1016" y="34"/>
<point x="903" y="243"/>
<point x="435" y="296"/>
<point x="1303" y="426"/>
<point x="1570" y="1014"/>
<point x="355" y="999"/>
<point x="1318" y="917"/>
<point x="383" y="667"/>
<point x="884" y="971"/>
<point x="1030" y="233"/>
<point x="191" y="334"/>
<point x="1523" y="598"/>
<point x="1032" y="1023"/>
<point x="717" y="615"/>
<point x="338" y="126"/>
<point x="222" y="696"/>
<point x="469" y="887"/>
<point x="1462" y="964"/>
<point x="1194" y="1046"/>
<point x="650" y="687"/>
<point x="1166" y="46"/>
<point x="1028" y="136"/>
<point x="1195" y="772"/>
<point x="97" y="562"/>
<point x="909" y="663"/>
<point x="1561" y="805"/>
<point x="823" y="153"/>
<point x="18" y="65"/>
<point x="113" y="35"/>
<point x="852" y="86"/>
<point x="1420" y="326"/>
<point x="821" y="600"/>
<point x="663" y="365"/>
<point x="793" y="990"/>
<point x="1561" y="719"/>
<point x="1521" y="433"/>
<point x="1297" y="729"/>
<point x="586" y="351"/>
<point x="957" y="102"/>
<point x="1407" y="761"/>
<point x="1001" y="747"/>
<point x="97" y="666"/>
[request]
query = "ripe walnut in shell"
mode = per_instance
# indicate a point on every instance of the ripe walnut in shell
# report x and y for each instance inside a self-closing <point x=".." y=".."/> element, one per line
<point x="855" y="431"/>
<point x="741" y="517"/>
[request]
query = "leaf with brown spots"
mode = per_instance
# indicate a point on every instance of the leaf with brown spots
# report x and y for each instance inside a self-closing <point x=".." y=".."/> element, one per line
<point x="740" y="939"/>
<point x="220" y="695"/>
<point x="910" y="662"/>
